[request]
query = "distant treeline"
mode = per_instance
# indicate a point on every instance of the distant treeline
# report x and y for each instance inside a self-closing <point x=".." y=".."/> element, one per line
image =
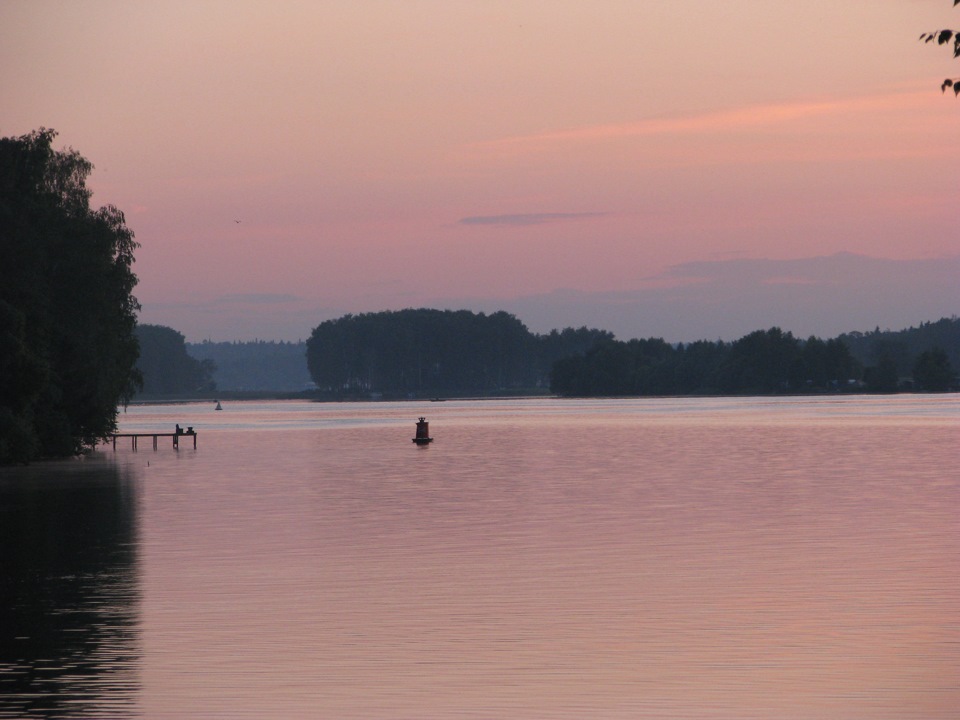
<point x="256" y="366"/>
<point x="426" y="353"/>
<point x="903" y="347"/>
<point x="763" y="362"/>
<point x="432" y="353"/>
<point x="766" y="362"/>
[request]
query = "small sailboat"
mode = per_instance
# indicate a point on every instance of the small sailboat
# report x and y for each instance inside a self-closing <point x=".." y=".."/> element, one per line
<point x="219" y="406"/>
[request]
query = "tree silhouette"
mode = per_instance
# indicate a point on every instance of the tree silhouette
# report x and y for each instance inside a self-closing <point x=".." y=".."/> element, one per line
<point x="67" y="312"/>
<point x="943" y="37"/>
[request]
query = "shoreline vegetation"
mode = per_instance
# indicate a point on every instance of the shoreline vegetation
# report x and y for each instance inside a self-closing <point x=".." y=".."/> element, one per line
<point x="67" y="310"/>
<point x="445" y="355"/>
<point x="310" y="396"/>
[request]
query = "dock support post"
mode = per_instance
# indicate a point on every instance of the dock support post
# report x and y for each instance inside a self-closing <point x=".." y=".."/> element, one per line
<point x="135" y="439"/>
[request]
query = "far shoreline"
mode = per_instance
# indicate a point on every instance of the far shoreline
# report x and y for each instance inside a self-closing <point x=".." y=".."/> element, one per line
<point x="313" y="396"/>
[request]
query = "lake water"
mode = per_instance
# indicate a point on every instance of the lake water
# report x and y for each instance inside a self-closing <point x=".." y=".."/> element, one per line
<point x="791" y="558"/>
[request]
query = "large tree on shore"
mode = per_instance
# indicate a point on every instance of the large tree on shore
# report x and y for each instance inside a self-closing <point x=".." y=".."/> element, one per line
<point x="67" y="313"/>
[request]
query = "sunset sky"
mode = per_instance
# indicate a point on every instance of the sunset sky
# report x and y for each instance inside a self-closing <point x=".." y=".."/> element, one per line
<point x="653" y="167"/>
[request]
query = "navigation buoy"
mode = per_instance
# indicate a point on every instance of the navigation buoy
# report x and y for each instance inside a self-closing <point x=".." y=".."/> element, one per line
<point x="423" y="432"/>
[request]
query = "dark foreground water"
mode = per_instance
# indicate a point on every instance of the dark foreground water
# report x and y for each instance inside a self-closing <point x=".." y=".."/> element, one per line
<point x="701" y="558"/>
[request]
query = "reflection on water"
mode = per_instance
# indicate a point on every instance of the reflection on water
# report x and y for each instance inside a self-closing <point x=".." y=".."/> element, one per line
<point x="69" y="644"/>
<point x="734" y="559"/>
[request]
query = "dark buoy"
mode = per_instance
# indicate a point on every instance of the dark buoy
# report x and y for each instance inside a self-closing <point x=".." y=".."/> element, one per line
<point x="423" y="432"/>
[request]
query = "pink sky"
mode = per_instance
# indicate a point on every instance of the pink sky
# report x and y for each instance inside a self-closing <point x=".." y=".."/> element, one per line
<point x="670" y="169"/>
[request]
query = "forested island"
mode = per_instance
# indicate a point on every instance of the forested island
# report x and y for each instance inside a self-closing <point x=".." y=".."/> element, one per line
<point x="427" y="353"/>
<point x="418" y="353"/>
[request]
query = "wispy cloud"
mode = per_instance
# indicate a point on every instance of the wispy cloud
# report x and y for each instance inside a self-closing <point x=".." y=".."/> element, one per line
<point x="720" y="121"/>
<point x="527" y="218"/>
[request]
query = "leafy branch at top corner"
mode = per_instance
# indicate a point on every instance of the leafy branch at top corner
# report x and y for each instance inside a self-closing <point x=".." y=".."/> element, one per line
<point x="943" y="37"/>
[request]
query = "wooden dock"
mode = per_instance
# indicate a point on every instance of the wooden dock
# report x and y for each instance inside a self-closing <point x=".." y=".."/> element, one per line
<point x="136" y="436"/>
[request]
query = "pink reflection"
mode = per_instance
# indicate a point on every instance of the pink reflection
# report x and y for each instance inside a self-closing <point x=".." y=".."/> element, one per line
<point x="702" y="558"/>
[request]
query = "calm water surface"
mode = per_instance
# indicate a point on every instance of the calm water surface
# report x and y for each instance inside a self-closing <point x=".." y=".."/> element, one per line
<point x="694" y="558"/>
